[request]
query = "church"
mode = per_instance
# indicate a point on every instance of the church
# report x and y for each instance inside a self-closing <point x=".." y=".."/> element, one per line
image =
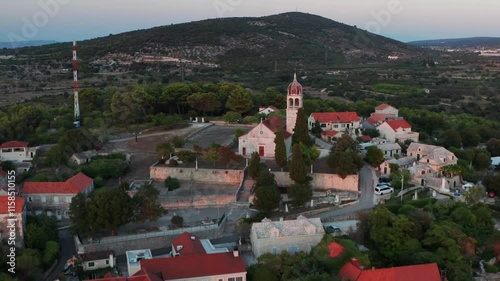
<point x="261" y="138"/>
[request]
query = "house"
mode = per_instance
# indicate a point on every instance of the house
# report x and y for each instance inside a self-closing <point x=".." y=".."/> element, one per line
<point x="353" y="271"/>
<point x="403" y="162"/>
<point x="200" y="267"/>
<point x="16" y="151"/>
<point x="82" y="157"/>
<point x="267" y="110"/>
<point x="134" y="258"/>
<point x="397" y="131"/>
<point x="189" y="244"/>
<point x="386" y="110"/>
<point x="390" y="150"/>
<point x="13" y="218"/>
<point x="342" y="122"/>
<point x="98" y="260"/>
<point x="293" y="236"/>
<point x="430" y="159"/>
<point x="261" y="138"/>
<point x="385" y="168"/>
<point x="53" y="198"/>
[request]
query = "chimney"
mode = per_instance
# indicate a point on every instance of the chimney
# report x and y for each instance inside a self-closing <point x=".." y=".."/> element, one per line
<point x="111" y="260"/>
<point x="236" y="253"/>
<point x="193" y="238"/>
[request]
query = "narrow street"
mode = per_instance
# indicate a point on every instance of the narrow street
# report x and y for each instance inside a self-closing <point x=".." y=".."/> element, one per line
<point x="67" y="251"/>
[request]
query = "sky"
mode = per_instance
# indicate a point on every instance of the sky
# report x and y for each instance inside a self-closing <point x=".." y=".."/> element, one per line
<point x="404" y="20"/>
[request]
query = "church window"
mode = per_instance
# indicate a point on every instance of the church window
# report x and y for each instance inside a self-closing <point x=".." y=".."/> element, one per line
<point x="297" y="102"/>
<point x="290" y="102"/>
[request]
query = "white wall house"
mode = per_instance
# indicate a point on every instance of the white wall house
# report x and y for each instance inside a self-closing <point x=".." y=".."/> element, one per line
<point x="342" y="122"/>
<point x="261" y="138"/>
<point x="98" y="260"/>
<point x="16" y="151"/>
<point x="397" y="131"/>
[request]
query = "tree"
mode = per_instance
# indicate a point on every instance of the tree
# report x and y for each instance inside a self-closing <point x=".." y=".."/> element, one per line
<point x="310" y="154"/>
<point x="372" y="132"/>
<point x="78" y="214"/>
<point x="228" y="156"/>
<point x="206" y="102"/>
<point x="470" y="138"/>
<point x="452" y="138"/>
<point x="300" y="132"/>
<point x="146" y="205"/>
<point x="30" y="264"/>
<point x="39" y="230"/>
<point x="396" y="177"/>
<point x="492" y="183"/>
<point x="172" y="183"/>
<point x="211" y="155"/>
<point x="374" y="156"/>
<point x="239" y="100"/>
<point x="493" y="146"/>
<point x="231" y="117"/>
<point x="300" y="193"/>
<point x="238" y="133"/>
<point x="40" y="178"/>
<point x="77" y="140"/>
<point x="254" y="166"/>
<point x="316" y="130"/>
<point x="164" y="150"/>
<point x="177" y="220"/>
<point x="57" y="155"/>
<point x="265" y="178"/>
<point x="109" y="208"/>
<point x="280" y="155"/>
<point x="345" y="163"/>
<point x="186" y="156"/>
<point x="298" y="169"/>
<point x="267" y="198"/>
<point x="481" y="160"/>
<point x="177" y="141"/>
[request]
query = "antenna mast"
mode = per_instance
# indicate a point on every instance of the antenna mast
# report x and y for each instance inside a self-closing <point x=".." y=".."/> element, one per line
<point x="75" y="88"/>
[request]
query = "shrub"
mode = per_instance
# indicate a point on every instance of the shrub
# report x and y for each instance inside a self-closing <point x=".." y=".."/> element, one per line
<point x="177" y="142"/>
<point x="172" y="183"/>
<point x="51" y="252"/>
<point x="186" y="156"/>
<point x="490" y="268"/>
<point x="172" y="163"/>
<point x="98" y="182"/>
<point x="177" y="220"/>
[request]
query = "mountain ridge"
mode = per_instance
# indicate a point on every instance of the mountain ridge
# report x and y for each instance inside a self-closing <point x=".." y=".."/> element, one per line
<point x="460" y="42"/>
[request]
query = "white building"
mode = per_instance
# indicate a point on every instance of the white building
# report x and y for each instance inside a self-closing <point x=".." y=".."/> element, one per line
<point x="397" y="131"/>
<point x="293" y="236"/>
<point x="267" y="110"/>
<point x="339" y="122"/>
<point x="16" y="151"/>
<point x="134" y="258"/>
<point x="98" y="260"/>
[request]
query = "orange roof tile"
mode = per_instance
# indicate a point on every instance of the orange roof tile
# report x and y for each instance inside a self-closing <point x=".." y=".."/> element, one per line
<point x="382" y="106"/>
<point x="4" y="204"/>
<point x="427" y="272"/>
<point x="274" y="122"/>
<point x="335" y="249"/>
<point x="73" y="185"/>
<point x="396" y="124"/>
<point x="330" y="133"/>
<point x="350" y="272"/>
<point x="336" y="117"/>
<point x="189" y="246"/>
<point x="13" y="144"/>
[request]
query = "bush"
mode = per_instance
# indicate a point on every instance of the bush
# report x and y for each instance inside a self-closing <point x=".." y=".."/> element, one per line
<point x="40" y="178"/>
<point x="172" y="183"/>
<point x="178" y="142"/>
<point x="98" y="182"/>
<point x="490" y="268"/>
<point x="172" y="163"/>
<point x="186" y="156"/>
<point x="177" y="220"/>
<point x="51" y="252"/>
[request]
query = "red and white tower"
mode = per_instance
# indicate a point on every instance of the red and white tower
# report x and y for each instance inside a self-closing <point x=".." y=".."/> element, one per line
<point x="75" y="88"/>
<point x="294" y="102"/>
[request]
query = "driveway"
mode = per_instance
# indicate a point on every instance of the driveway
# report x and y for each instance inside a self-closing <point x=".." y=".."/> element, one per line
<point x="67" y="251"/>
<point x="367" y="181"/>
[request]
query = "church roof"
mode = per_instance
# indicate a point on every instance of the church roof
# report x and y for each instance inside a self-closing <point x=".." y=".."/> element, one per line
<point x="274" y="122"/>
<point x="295" y="88"/>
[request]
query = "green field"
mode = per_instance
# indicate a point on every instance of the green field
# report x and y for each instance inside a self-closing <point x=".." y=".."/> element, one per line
<point x="396" y="89"/>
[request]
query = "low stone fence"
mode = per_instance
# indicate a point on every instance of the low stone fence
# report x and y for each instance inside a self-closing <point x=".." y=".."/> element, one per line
<point x="181" y="202"/>
<point x="152" y="240"/>
<point x="221" y="176"/>
<point x="322" y="181"/>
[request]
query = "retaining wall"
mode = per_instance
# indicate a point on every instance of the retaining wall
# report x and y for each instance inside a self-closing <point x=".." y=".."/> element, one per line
<point x="320" y="181"/>
<point x="222" y="176"/>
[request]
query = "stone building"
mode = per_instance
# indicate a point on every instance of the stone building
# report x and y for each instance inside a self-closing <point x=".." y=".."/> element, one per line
<point x="12" y="217"/>
<point x="293" y="236"/>
<point x="53" y="198"/>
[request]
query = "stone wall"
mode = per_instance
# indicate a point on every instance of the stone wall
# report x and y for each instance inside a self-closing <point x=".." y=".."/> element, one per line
<point x="137" y="242"/>
<point x="266" y="245"/>
<point x="181" y="202"/>
<point x="331" y="182"/>
<point x="222" y="176"/>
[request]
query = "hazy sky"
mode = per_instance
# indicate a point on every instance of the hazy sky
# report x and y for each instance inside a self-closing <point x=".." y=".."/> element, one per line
<point x="406" y="20"/>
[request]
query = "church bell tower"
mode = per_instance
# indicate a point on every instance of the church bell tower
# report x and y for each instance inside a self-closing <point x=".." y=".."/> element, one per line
<point x="293" y="103"/>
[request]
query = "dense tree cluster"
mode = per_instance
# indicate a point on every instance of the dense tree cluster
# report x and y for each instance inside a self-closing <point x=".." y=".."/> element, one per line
<point x="344" y="157"/>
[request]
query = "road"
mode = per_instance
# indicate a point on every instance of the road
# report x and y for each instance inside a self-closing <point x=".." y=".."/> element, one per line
<point x="367" y="180"/>
<point x="67" y="251"/>
<point x="197" y="126"/>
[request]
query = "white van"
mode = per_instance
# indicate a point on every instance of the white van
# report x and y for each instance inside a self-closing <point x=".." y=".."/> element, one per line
<point x="381" y="190"/>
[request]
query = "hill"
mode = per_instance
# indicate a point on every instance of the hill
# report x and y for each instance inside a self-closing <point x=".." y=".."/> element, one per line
<point x="294" y="40"/>
<point x="460" y="42"/>
<point x="20" y="44"/>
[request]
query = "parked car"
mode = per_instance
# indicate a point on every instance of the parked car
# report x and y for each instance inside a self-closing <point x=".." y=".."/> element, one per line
<point x="384" y="179"/>
<point x="383" y="184"/>
<point x="381" y="190"/>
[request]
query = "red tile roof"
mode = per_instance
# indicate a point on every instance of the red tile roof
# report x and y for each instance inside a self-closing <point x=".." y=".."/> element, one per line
<point x="131" y="278"/>
<point x="335" y="249"/>
<point x="380" y="117"/>
<point x="351" y="271"/>
<point x="366" y="138"/>
<point x="101" y="255"/>
<point x="336" y="117"/>
<point x="373" y="122"/>
<point x="13" y="144"/>
<point x="396" y="124"/>
<point x="73" y="185"/>
<point x="4" y="204"/>
<point x="189" y="246"/>
<point x="274" y="122"/>
<point x="191" y="266"/>
<point x="330" y="133"/>
<point x="382" y="106"/>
